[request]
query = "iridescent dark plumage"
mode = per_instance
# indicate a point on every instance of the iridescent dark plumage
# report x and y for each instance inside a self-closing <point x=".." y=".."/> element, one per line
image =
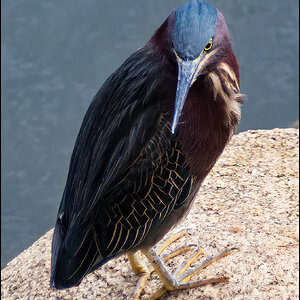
<point x="135" y="170"/>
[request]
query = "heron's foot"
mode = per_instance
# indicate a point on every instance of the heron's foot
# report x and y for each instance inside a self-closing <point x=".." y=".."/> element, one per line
<point x="140" y="266"/>
<point x="180" y="279"/>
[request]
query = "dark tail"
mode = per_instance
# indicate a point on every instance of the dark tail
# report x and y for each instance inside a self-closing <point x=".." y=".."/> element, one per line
<point x="59" y="235"/>
<point x="75" y="253"/>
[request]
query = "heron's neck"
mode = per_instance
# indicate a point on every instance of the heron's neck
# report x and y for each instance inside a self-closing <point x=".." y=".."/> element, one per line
<point x="207" y="123"/>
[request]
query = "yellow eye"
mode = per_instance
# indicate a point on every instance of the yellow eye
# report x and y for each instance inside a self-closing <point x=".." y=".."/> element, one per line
<point x="208" y="46"/>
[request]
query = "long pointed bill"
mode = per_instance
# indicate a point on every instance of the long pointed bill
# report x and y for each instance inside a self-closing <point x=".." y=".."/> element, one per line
<point x="186" y="76"/>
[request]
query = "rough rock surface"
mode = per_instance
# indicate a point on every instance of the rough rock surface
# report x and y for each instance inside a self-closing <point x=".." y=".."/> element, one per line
<point x="249" y="200"/>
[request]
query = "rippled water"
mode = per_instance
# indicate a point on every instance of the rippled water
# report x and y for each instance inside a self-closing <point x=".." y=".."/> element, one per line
<point x="55" y="56"/>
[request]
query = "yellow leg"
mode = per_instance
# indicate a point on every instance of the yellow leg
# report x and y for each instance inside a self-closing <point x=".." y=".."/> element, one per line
<point x="171" y="240"/>
<point x="182" y="277"/>
<point x="185" y="277"/>
<point x="139" y="267"/>
<point x="177" y="252"/>
<point x="187" y="264"/>
<point x="141" y="285"/>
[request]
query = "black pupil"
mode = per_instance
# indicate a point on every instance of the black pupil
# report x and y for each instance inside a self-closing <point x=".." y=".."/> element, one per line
<point x="208" y="45"/>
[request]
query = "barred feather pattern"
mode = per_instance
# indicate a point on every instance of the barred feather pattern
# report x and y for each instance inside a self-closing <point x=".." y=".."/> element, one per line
<point x="128" y="217"/>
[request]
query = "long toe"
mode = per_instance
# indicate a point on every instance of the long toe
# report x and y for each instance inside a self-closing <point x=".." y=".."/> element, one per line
<point x="181" y="278"/>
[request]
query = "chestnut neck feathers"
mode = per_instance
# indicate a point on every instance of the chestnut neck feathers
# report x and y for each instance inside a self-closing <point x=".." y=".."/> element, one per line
<point x="212" y="108"/>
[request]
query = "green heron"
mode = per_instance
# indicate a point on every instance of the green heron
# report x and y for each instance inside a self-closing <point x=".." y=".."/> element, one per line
<point x="151" y="135"/>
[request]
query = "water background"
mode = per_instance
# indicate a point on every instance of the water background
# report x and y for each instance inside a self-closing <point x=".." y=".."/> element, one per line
<point x="56" y="55"/>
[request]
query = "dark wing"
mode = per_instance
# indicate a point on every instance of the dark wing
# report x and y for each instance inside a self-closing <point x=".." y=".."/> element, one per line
<point x="123" y="117"/>
<point x="142" y="201"/>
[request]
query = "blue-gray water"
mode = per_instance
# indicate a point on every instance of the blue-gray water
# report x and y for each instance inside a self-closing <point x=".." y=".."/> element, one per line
<point x="55" y="56"/>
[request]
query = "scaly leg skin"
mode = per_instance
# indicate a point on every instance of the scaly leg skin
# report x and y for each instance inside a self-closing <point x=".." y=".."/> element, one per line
<point x="140" y="267"/>
<point x="181" y="277"/>
<point x="137" y="266"/>
<point x="172" y="239"/>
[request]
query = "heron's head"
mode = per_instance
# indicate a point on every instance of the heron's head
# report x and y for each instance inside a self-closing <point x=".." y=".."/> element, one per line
<point x="199" y="40"/>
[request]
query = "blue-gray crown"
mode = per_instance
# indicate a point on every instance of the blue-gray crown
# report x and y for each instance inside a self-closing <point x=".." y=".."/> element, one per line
<point x="195" y="24"/>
